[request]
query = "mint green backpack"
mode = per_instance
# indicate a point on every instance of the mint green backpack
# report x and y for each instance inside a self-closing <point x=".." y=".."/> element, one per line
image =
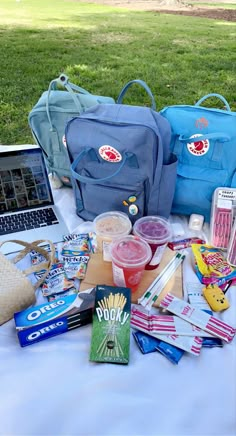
<point x="49" y="117"/>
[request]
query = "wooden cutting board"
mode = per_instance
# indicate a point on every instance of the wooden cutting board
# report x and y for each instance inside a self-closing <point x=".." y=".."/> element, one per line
<point x="100" y="273"/>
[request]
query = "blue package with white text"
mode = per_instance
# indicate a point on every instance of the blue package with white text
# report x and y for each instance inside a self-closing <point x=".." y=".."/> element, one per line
<point x="50" y="319"/>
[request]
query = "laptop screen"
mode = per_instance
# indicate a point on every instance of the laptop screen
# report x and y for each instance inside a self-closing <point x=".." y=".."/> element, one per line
<point x="24" y="182"/>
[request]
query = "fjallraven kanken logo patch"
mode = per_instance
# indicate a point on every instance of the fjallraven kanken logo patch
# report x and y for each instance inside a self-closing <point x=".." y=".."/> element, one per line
<point x="110" y="154"/>
<point x="201" y="123"/>
<point x="198" y="148"/>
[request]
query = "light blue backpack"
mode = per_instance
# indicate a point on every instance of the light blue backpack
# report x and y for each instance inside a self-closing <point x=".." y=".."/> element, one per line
<point x="121" y="160"/>
<point x="48" y="120"/>
<point x="204" y="141"/>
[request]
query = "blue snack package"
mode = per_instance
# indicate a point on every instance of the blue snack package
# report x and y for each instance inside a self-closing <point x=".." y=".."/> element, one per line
<point x="212" y="342"/>
<point x="172" y="353"/>
<point x="146" y="343"/>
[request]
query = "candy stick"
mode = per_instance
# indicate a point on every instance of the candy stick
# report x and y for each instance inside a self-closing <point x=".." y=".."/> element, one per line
<point x="100" y="305"/>
<point x="229" y="228"/>
<point x="215" y="230"/>
<point x="198" y="317"/>
<point x="222" y="227"/>
<point x="225" y="229"/>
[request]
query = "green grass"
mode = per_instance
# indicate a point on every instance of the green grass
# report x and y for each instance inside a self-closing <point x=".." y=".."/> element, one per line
<point x="101" y="48"/>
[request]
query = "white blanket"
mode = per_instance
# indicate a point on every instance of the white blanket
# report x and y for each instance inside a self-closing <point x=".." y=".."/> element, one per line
<point x="51" y="387"/>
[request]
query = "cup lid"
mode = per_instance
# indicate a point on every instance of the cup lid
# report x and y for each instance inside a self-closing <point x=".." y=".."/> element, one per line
<point x="154" y="229"/>
<point x="130" y="251"/>
<point x="113" y="224"/>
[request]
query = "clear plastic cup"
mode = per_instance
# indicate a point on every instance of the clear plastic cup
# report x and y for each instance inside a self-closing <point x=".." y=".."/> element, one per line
<point x="231" y="253"/>
<point x="129" y="256"/>
<point x="156" y="231"/>
<point x="109" y="226"/>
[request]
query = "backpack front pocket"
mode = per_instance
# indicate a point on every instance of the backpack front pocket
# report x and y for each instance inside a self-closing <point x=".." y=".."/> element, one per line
<point x="129" y="198"/>
<point x="194" y="189"/>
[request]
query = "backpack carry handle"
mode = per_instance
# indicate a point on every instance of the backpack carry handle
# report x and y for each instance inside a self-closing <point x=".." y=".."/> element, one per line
<point x="63" y="80"/>
<point x="85" y="179"/>
<point x="141" y="83"/>
<point x="214" y="95"/>
<point x="219" y="136"/>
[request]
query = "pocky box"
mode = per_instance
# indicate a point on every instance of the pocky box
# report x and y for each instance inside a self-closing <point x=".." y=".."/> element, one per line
<point x="111" y="325"/>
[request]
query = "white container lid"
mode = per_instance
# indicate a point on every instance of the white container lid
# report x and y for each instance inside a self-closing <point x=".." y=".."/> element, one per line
<point x="112" y="224"/>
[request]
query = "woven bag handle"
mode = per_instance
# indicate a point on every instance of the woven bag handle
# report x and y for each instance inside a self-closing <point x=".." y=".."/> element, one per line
<point x="50" y="257"/>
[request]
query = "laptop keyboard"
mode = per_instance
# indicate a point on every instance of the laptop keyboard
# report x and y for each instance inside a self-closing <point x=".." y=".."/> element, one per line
<point x="28" y="220"/>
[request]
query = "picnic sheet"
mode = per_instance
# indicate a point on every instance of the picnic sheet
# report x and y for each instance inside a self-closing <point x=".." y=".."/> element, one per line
<point x="51" y="388"/>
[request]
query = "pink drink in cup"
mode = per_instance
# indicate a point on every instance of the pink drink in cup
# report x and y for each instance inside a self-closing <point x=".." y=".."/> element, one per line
<point x="156" y="231"/>
<point x="129" y="256"/>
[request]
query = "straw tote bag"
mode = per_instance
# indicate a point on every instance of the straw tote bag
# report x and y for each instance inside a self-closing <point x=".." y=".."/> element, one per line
<point x="16" y="290"/>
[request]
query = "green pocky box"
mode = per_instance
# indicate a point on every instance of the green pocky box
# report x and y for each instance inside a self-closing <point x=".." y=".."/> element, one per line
<point x="111" y="325"/>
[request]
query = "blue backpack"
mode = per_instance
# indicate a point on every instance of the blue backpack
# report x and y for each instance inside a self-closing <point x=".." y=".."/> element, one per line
<point x="49" y="116"/>
<point x="121" y="160"/>
<point x="204" y="141"/>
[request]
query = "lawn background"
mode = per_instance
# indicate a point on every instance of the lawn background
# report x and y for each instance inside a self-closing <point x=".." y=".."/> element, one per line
<point x="101" y="48"/>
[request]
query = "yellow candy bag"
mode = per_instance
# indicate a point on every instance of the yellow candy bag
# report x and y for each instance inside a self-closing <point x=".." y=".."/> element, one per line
<point x="211" y="266"/>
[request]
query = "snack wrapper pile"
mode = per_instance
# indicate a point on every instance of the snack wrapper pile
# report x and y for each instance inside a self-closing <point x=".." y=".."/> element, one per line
<point x="70" y="265"/>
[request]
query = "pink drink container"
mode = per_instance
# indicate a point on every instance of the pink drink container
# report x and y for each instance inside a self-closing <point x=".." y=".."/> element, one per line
<point x="156" y="231"/>
<point x="129" y="256"/>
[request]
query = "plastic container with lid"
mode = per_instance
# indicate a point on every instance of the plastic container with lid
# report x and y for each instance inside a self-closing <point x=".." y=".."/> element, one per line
<point x="129" y="256"/>
<point x="231" y="253"/>
<point x="223" y="211"/>
<point x="156" y="231"/>
<point x="109" y="226"/>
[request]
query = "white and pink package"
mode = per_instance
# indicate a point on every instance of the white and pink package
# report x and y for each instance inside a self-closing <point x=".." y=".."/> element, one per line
<point x="198" y="317"/>
<point x="165" y="324"/>
<point x="190" y="344"/>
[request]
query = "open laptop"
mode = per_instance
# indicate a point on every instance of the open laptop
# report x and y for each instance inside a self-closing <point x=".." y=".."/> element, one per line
<point x="27" y="209"/>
